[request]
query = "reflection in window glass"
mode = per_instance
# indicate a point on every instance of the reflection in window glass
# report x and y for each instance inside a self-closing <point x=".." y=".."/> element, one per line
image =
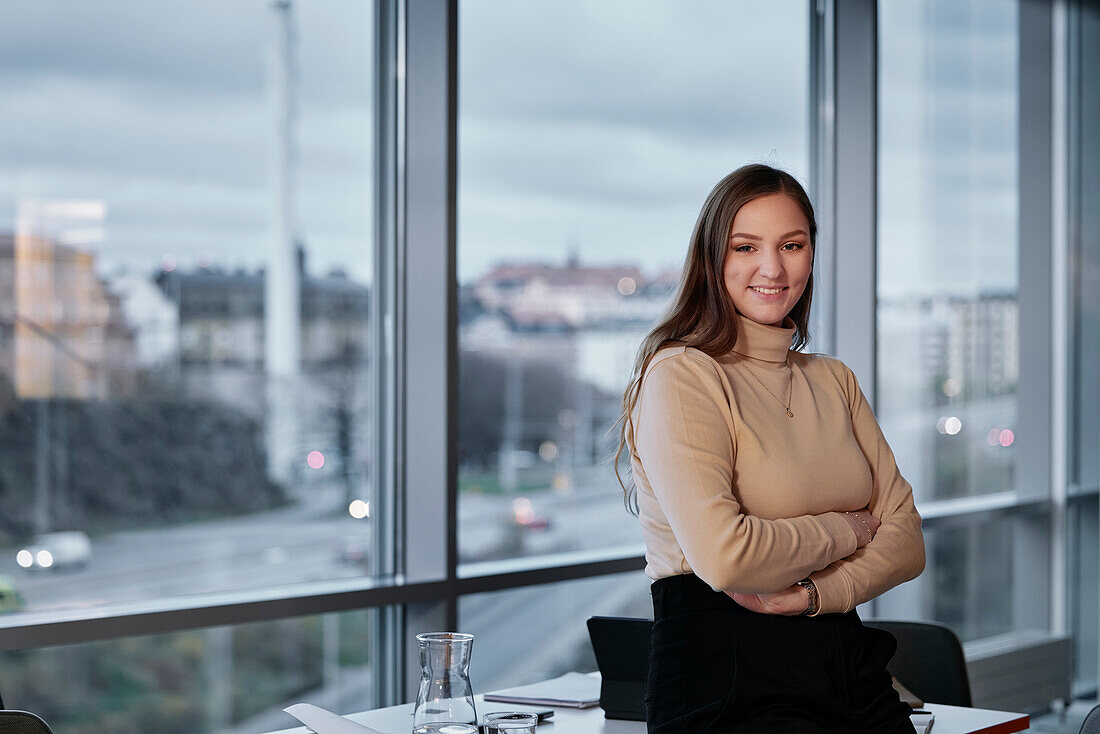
<point x="222" y="679"/>
<point x="947" y="262"/>
<point x="579" y="183"/>
<point x="539" y="632"/>
<point x="184" y="233"/>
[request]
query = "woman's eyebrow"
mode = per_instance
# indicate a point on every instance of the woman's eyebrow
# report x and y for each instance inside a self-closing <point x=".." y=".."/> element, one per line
<point x="742" y="235"/>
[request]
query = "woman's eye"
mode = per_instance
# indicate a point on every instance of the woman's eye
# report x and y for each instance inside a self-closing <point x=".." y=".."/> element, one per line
<point x="793" y="246"/>
<point x="742" y="248"/>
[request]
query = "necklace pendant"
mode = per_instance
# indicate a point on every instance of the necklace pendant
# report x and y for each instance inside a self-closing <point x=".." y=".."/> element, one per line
<point x="789" y="413"/>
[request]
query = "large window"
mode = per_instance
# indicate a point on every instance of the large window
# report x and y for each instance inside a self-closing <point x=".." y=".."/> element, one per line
<point x="540" y="632"/>
<point x="947" y="265"/>
<point x="586" y="147"/>
<point x="219" y="679"/>
<point x="231" y="239"/>
<point x="948" y="332"/>
<point x="185" y="240"/>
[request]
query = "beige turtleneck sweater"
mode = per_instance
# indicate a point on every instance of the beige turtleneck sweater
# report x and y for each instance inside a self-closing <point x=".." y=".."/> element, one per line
<point x="749" y="500"/>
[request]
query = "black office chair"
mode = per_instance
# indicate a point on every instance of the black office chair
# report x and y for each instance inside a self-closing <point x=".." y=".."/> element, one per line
<point x="1091" y="724"/>
<point x="22" y="722"/>
<point x="929" y="661"/>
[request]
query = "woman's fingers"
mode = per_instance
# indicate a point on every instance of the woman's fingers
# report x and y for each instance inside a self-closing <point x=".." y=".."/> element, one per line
<point x="871" y="520"/>
<point x="789" y="602"/>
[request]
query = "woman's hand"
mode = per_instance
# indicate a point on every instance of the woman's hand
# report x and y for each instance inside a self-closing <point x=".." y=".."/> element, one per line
<point x="864" y="525"/>
<point x="789" y="602"/>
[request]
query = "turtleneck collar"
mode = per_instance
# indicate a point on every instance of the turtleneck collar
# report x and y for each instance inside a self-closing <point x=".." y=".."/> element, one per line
<point x="766" y="343"/>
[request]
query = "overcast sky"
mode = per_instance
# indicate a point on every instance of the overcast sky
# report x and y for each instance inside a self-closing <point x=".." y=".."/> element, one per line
<point x="587" y="127"/>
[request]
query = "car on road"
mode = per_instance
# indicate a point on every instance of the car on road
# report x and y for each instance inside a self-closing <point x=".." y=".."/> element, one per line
<point x="10" y="598"/>
<point x="55" y="551"/>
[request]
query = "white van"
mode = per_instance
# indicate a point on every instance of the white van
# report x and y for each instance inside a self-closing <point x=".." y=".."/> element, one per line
<point x="68" y="549"/>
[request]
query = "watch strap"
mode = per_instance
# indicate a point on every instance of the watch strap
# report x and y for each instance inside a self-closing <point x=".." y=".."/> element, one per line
<point x="811" y="591"/>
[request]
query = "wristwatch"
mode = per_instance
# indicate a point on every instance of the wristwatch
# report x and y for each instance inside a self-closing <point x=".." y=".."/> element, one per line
<point x="811" y="590"/>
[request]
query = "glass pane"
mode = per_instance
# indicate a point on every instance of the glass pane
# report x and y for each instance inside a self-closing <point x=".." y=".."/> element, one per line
<point x="579" y="183"/>
<point x="1084" y="596"/>
<point x="967" y="581"/>
<point x="539" y="632"/>
<point x="222" y="679"/>
<point x="185" y="239"/>
<point x="947" y="240"/>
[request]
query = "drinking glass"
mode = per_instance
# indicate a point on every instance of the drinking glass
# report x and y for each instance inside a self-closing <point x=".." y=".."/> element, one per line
<point x="508" y="722"/>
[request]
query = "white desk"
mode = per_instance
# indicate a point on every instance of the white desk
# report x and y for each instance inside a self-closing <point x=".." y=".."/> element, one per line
<point x="949" y="720"/>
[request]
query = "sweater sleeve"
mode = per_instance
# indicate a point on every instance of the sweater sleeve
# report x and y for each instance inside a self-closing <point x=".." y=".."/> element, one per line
<point x="684" y="439"/>
<point x="896" y="554"/>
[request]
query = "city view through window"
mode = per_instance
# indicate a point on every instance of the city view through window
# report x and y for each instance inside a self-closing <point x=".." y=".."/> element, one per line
<point x="578" y="189"/>
<point x="579" y="183"/>
<point x="186" y="264"/>
<point x="948" y="326"/>
<point x="186" y="242"/>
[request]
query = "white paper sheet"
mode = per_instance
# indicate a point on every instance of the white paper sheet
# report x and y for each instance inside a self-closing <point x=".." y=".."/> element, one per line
<point x="326" y="722"/>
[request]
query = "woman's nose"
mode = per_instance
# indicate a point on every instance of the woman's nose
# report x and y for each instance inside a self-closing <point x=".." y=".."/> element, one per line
<point x="771" y="266"/>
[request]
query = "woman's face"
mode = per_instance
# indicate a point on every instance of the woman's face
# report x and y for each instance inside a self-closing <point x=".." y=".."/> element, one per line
<point x="768" y="258"/>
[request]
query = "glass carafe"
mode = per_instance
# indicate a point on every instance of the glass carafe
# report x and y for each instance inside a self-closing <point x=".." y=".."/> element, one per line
<point x="445" y="700"/>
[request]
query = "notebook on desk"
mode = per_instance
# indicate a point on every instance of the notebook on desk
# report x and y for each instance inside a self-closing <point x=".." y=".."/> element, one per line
<point x="621" y="645"/>
<point x="573" y="690"/>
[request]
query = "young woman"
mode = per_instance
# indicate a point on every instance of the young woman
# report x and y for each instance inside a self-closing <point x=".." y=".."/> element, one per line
<point x="770" y="502"/>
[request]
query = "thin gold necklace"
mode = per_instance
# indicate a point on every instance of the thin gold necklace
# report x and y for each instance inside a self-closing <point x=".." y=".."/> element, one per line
<point x="790" y="388"/>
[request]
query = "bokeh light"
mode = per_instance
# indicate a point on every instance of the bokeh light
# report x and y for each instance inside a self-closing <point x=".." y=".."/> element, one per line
<point x="359" y="509"/>
<point x="1006" y="437"/>
<point x="548" y="451"/>
<point x="45" y="558"/>
<point x="24" y="558"/>
<point x="627" y="285"/>
<point x="315" y="459"/>
<point x="522" y="510"/>
<point x="952" y="426"/>
<point x="168" y="263"/>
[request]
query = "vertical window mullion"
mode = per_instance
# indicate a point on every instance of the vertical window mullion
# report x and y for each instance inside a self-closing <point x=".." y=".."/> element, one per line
<point x="855" y="191"/>
<point x="428" y="297"/>
<point x="1033" y="556"/>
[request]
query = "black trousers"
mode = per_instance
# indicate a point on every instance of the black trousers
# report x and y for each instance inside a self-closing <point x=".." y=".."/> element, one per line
<point x="717" y="667"/>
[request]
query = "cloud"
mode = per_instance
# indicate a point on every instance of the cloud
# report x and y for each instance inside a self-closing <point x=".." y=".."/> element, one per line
<point x="208" y="47"/>
<point x="598" y="123"/>
<point x="161" y="111"/>
<point x="601" y="126"/>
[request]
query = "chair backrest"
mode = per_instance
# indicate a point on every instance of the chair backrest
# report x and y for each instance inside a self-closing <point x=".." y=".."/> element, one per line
<point x="929" y="661"/>
<point x="1091" y="724"/>
<point x="22" y="722"/>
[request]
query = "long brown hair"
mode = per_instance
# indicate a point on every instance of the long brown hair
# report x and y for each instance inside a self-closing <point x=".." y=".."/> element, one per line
<point x="702" y="311"/>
